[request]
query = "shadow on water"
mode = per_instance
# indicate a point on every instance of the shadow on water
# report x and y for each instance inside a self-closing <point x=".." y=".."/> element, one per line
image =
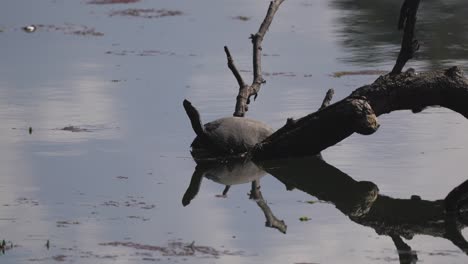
<point x="367" y="31"/>
<point x="359" y="200"/>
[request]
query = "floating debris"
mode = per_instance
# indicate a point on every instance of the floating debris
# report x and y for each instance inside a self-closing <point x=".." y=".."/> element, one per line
<point x="30" y="130"/>
<point x="285" y="74"/>
<point x="281" y="74"/>
<point x="26" y="201"/>
<point x="146" y="13"/>
<point x="71" y="29"/>
<point x="4" y="246"/>
<point x="59" y="258"/>
<point x="30" y="28"/>
<point x="66" y="223"/>
<point x="241" y="18"/>
<point x="107" y="2"/>
<point x="75" y="129"/>
<point x="304" y="218"/>
<point x="177" y="248"/>
<point x="363" y="72"/>
<point x="143" y="53"/>
<point x="134" y="202"/>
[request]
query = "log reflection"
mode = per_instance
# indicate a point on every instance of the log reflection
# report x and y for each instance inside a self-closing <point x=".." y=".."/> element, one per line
<point x="362" y="203"/>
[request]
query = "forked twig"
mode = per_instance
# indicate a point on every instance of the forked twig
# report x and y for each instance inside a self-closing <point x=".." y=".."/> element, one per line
<point x="246" y="91"/>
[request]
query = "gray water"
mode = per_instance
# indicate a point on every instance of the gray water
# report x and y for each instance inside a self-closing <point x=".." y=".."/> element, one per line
<point x="111" y="192"/>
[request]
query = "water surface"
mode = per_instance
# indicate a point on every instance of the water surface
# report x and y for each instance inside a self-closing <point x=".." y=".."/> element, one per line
<point x="112" y="192"/>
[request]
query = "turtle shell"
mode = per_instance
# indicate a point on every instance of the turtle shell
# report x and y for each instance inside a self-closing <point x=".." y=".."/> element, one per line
<point x="230" y="135"/>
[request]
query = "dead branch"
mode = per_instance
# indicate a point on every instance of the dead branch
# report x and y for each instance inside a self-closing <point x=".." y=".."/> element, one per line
<point x="245" y="91"/>
<point x="233" y="67"/>
<point x="407" y="21"/>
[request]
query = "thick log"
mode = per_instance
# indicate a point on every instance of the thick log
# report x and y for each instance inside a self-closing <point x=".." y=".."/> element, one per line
<point x="359" y="111"/>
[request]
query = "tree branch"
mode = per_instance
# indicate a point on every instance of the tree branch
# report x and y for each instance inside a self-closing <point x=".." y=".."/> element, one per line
<point x="407" y="21"/>
<point x="245" y="91"/>
<point x="233" y="68"/>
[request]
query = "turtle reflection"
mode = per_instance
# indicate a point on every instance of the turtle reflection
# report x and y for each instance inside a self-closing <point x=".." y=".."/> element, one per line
<point x="229" y="173"/>
<point x="233" y="173"/>
<point x="359" y="200"/>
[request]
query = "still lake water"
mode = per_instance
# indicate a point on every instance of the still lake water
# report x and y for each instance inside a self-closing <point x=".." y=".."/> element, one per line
<point x="112" y="192"/>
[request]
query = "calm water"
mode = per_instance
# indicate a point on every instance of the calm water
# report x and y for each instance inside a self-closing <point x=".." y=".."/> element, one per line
<point x="112" y="192"/>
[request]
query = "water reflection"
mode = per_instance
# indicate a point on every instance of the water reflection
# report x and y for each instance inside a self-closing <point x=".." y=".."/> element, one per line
<point x="359" y="200"/>
<point x="367" y="31"/>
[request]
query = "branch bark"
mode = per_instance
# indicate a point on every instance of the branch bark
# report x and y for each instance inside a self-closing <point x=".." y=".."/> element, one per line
<point x="233" y="68"/>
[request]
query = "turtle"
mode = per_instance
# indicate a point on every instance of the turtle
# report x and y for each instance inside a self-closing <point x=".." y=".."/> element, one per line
<point x="227" y="136"/>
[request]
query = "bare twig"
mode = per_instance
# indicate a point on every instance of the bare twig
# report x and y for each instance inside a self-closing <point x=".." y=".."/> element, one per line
<point x="233" y="68"/>
<point x="409" y="46"/>
<point x="245" y="91"/>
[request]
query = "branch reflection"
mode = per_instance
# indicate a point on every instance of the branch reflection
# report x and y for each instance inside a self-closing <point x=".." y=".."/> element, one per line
<point x="367" y="31"/>
<point x="362" y="203"/>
